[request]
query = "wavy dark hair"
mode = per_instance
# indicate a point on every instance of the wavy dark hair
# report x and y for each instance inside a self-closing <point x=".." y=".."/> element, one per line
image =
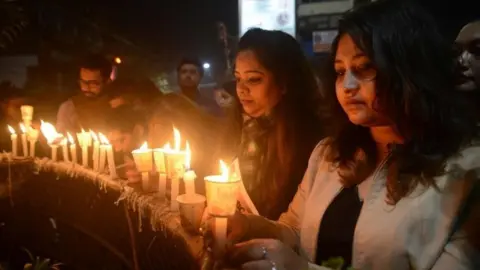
<point x="415" y="89"/>
<point x="297" y="127"/>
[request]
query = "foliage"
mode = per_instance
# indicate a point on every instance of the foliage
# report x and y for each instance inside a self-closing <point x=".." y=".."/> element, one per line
<point x="37" y="263"/>
<point x="335" y="263"/>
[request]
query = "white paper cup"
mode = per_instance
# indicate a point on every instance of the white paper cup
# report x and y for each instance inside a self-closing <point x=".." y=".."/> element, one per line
<point x="191" y="211"/>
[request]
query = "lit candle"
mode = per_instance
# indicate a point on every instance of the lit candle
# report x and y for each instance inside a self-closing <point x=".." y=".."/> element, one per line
<point x="222" y="191"/>
<point x="103" y="152"/>
<point x="189" y="175"/>
<point x="86" y="139"/>
<point x="159" y="161"/>
<point x="13" y="137"/>
<point x="111" y="159"/>
<point x="174" y="159"/>
<point x="96" y="150"/>
<point x="64" y="144"/>
<point x="32" y="138"/>
<point x="24" y="139"/>
<point x="51" y="135"/>
<point x="73" y="148"/>
<point x="144" y="163"/>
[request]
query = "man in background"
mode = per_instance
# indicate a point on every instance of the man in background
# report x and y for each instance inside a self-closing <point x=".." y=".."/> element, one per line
<point x="189" y="74"/>
<point x="85" y="110"/>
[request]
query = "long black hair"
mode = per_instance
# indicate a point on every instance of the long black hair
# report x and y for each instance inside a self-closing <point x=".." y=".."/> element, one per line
<point x="296" y="124"/>
<point x="415" y="89"/>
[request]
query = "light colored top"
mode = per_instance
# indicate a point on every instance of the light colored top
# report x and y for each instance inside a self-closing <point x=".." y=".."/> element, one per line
<point x="67" y="118"/>
<point x="416" y="233"/>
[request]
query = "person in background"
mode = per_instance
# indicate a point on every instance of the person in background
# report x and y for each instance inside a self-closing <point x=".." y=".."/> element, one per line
<point x="11" y="99"/>
<point x="274" y="123"/>
<point x="189" y="74"/>
<point x="395" y="184"/>
<point x="468" y="58"/>
<point x="126" y="132"/>
<point x="88" y="108"/>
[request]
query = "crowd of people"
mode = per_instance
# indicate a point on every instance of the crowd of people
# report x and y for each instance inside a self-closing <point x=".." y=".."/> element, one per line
<point x="383" y="145"/>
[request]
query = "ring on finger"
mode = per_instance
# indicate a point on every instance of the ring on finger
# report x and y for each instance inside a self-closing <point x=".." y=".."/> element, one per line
<point x="274" y="265"/>
<point x="264" y="253"/>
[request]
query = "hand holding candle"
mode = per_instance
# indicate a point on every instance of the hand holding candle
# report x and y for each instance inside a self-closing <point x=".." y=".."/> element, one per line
<point x="13" y="137"/>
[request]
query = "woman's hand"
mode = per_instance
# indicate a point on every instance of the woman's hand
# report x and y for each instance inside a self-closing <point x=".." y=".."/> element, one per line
<point x="264" y="254"/>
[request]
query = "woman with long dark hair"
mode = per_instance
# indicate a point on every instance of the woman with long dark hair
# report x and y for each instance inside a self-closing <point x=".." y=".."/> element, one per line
<point x="393" y="186"/>
<point x="276" y="125"/>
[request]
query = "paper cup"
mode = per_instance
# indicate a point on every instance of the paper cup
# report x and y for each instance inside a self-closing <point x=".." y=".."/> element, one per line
<point x="191" y="211"/>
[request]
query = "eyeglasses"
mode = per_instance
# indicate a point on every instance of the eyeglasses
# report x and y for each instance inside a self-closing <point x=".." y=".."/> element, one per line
<point x="89" y="83"/>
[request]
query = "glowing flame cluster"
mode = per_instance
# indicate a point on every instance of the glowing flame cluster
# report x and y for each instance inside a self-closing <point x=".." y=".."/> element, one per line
<point x="224" y="170"/>
<point x="50" y="132"/>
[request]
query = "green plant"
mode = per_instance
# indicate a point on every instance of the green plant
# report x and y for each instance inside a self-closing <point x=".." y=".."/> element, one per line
<point x="37" y="263"/>
<point x="336" y="263"/>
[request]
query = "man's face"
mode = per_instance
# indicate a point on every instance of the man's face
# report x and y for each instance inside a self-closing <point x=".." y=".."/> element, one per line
<point x="189" y="76"/>
<point x="91" y="82"/>
<point x="468" y="42"/>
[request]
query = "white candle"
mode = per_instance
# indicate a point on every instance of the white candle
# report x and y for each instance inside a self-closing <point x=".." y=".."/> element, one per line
<point x="32" y="138"/>
<point x="85" y="155"/>
<point x="24" y="139"/>
<point x="111" y="161"/>
<point x="96" y="151"/>
<point x="13" y="137"/>
<point x="54" y="151"/>
<point x="189" y="175"/>
<point x="221" y="233"/>
<point x="162" y="184"/>
<point x="103" y="158"/>
<point x="65" y="150"/>
<point x="73" y="148"/>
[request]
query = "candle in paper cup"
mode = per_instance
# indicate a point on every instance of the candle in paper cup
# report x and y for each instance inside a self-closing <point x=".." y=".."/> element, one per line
<point x="222" y="191"/>
<point x="13" y="137"/>
<point x="189" y="175"/>
<point x="32" y="138"/>
<point x="64" y="144"/>
<point x="144" y="162"/>
<point x="24" y="139"/>
<point x="73" y="148"/>
<point x="159" y="159"/>
<point x="96" y="151"/>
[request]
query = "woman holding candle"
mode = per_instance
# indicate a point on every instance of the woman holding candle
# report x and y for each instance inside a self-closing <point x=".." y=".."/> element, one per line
<point x="396" y="184"/>
<point x="275" y="124"/>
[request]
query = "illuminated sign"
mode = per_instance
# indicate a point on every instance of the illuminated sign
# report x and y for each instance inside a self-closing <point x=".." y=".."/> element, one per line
<point x="267" y="14"/>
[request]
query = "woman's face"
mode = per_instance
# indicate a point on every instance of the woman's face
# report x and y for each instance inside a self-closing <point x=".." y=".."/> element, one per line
<point x="256" y="88"/>
<point x="355" y="84"/>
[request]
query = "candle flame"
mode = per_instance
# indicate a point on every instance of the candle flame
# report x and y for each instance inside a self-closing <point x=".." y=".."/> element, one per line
<point x="224" y="169"/>
<point x="23" y="128"/>
<point x="188" y="156"/>
<point x="103" y="139"/>
<point x="167" y="146"/>
<point x="49" y="132"/>
<point x="12" y="131"/>
<point x="177" y="139"/>
<point x="70" y="138"/>
<point x="144" y="147"/>
<point x="94" y="136"/>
